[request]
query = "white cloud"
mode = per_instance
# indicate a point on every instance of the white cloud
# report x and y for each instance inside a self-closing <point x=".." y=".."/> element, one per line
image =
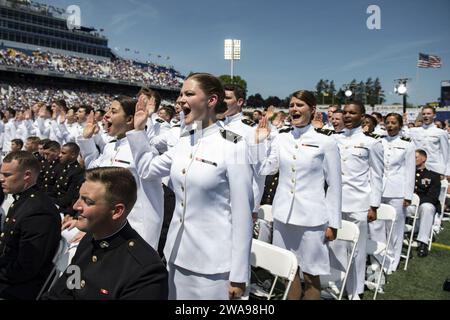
<point x="141" y="11"/>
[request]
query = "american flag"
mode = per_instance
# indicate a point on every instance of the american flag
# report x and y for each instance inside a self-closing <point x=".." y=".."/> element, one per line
<point x="429" y="61"/>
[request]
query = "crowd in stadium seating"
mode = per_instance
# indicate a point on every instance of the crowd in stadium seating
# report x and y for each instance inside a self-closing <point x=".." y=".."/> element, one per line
<point x="24" y="96"/>
<point x="118" y="69"/>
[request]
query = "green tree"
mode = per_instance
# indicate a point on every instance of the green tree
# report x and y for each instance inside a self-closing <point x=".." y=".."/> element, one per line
<point x="255" y="101"/>
<point x="369" y="91"/>
<point x="378" y="92"/>
<point x="320" y="88"/>
<point x="226" y="79"/>
<point x="272" y="101"/>
<point x="332" y="91"/>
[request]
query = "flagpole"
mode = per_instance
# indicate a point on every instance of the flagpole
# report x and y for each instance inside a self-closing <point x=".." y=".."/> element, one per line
<point x="417" y="84"/>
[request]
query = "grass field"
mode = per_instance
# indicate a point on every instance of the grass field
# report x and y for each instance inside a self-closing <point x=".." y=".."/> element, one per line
<point x="425" y="276"/>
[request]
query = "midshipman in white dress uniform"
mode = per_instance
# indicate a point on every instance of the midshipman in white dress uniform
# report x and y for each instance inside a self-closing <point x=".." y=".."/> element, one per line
<point x="362" y="172"/>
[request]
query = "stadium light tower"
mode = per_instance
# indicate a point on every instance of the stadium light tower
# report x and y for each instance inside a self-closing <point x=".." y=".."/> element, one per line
<point x="401" y="89"/>
<point x="348" y="92"/>
<point x="232" y="51"/>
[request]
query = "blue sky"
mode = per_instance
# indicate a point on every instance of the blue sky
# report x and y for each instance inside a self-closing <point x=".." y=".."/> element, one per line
<point x="286" y="45"/>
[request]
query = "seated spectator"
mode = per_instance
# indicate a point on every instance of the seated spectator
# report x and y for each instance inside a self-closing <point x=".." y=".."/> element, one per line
<point x="16" y="145"/>
<point x="50" y="166"/>
<point x="116" y="263"/>
<point x="428" y="187"/>
<point x="40" y="155"/>
<point x="32" y="145"/>
<point x="69" y="177"/>
<point x="31" y="232"/>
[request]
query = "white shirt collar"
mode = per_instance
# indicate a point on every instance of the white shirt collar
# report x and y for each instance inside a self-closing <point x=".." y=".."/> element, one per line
<point x="301" y="130"/>
<point x="429" y="126"/>
<point x="350" y="132"/>
<point x="235" y="117"/>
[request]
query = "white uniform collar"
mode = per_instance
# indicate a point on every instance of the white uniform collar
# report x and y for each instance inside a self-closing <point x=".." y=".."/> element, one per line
<point x="429" y="126"/>
<point x="121" y="142"/>
<point x="235" y="117"/>
<point x="350" y="132"/>
<point x="301" y="130"/>
<point x="204" y="132"/>
<point x="389" y="138"/>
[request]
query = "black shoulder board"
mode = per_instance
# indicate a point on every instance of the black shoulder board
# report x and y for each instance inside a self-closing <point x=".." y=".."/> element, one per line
<point x="405" y="139"/>
<point x="372" y="135"/>
<point x="230" y="136"/>
<point x="326" y="132"/>
<point x="285" y="130"/>
<point x="159" y="120"/>
<point x="248" y="122"/>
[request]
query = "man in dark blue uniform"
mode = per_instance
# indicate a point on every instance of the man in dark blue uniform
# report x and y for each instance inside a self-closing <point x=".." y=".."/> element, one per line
<point x="50" y="167"/>
<point x="428" y="187"/>
<point x="114" y="262"/>
<point x="68" y="180"/>
<point x="32" y="229"/>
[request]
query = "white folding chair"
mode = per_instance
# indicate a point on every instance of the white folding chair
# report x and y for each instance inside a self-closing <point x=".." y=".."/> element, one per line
<point x="56" y="270"/>
<point x="442" y="197"/>
<point x="446" y="214"/>
<point x="281" y="263"/>
<point x="437" y="222"/>
<point x="437" y="227"/>
<point x="384" y="213"/>
<point x="265" y="220"/>
<point x="415" y="202"/>
<point x="349" y="232"/>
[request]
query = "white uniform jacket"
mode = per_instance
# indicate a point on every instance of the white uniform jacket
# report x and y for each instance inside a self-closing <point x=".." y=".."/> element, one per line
<point x="147" y="213"/>
<point x="2" y="134"/>
<point x="24" y="129"/>
<point x="156" y="126"/>
<point x="48" y="129"/>
<point x="236" y="124"/>
<point x="435" y="143"/>
<point x="362" y="170"/>
<point x="70" y="132"/>
<point x="399" y="167"/>
<point x="211" y="228"/>
<point x="10" y="133"/>
<point x="306" y="160"/>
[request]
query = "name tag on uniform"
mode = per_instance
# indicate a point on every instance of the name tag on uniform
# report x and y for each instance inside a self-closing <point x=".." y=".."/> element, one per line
<point x="399" y="148"/>
<point x="309" y="145"/>
<point x="361" y="147"/>
<point x="104" y="291"/>
<point x="122" y="161"/>
<point x="206" y="161"/>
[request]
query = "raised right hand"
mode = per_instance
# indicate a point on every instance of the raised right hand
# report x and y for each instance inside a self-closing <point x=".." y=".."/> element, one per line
<point x="263" y="130"/>
<point x="141" y="114"/>
<point x="62" y="117"/>
<point x="90" y="127"/>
